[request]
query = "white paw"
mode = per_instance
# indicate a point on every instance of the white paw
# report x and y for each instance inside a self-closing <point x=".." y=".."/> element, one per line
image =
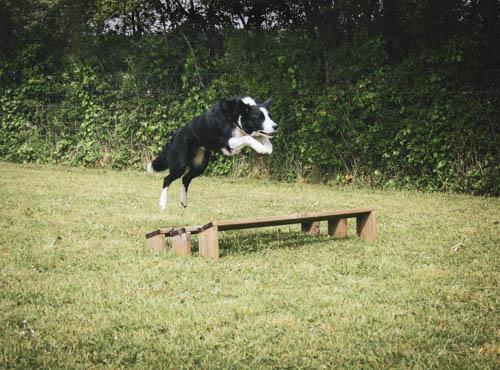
<point x="184" y="195"/>
<point x="163" y="199"/>
<point x="266" y="150"/>
<point x="163" y="205"/>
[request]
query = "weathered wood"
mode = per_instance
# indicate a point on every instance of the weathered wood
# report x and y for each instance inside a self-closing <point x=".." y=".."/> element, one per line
<point x="153" y="233"/>
<point x="172" y="231"/>
<point x="311" y="228"/>
<point x="156" y="242"/>
<point x="190" y="229"/>
<point x="208" y="241"/>
<point x="289" y="219"/>
<point x="337" y="227"/>
<point x="208" y="238"/>
<point x="182" y="244"/>
<point x="366" y="226"/>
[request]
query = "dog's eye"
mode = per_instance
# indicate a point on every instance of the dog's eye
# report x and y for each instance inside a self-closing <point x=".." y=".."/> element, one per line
<point x="261" y="116"/>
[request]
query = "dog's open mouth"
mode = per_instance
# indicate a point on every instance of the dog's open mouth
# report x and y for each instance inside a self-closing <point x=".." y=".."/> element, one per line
<point x="267" y="134"/>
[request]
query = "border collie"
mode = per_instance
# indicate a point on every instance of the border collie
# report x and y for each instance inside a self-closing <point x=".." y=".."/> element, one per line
<point x="229" y="126"/>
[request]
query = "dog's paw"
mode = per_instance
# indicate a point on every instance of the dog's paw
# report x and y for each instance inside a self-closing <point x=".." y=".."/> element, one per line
<point x="184" y="197"/>
<point x="163" y="199"/>
<point x="266" y="150"/>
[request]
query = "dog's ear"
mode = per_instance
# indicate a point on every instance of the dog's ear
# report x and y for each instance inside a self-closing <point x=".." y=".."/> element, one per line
<point x="267" y="103"/>
<point x="243" y="108"/>
<point x="233" y="108"/>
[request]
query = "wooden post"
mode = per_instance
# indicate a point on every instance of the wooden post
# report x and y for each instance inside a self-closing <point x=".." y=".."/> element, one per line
<point x="337" y="227"/>
<point x="311" y="228"/>
<point x="208" y="241"/>
<point x="182" y="244"/>
<point x="366" y="226"/>
<point x="156" y="242"/>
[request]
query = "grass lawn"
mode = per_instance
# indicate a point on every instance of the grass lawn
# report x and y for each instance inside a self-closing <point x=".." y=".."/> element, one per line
<point x="79" y="288"/>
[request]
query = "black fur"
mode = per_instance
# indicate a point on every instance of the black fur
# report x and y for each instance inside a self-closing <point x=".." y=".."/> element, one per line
<point x="160" y="163"/>
<point x="209" y="132"/>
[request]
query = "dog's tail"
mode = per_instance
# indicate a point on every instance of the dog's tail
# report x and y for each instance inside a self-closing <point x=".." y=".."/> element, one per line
<point x="160" y="163"/>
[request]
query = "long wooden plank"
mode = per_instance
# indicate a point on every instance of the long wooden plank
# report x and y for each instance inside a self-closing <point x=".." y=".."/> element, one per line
<point x="289" y="219"/>
<point x="224" y="225"/>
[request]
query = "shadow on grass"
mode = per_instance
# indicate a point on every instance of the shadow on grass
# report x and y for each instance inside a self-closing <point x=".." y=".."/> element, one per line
<point x="249" y="242"/>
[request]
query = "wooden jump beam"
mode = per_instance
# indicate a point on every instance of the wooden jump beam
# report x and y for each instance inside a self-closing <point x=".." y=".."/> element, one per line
<point x="208" y="234"/>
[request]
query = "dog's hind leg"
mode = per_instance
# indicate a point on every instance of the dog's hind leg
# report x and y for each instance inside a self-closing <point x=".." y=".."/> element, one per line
<point x="198" y="166"/>
<point x="177" y="161"/>
<point x="174" y="174"/>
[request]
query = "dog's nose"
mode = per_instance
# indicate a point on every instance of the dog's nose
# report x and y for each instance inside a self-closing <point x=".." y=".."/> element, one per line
<point x="275" y="127"/>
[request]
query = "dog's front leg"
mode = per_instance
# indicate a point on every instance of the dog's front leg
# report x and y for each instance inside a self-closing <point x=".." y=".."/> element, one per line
<point x="238" y="143"/>
<point x="264" y="140"/>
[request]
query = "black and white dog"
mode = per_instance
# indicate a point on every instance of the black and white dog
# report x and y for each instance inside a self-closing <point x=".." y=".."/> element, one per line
<point x="229" y="126"/>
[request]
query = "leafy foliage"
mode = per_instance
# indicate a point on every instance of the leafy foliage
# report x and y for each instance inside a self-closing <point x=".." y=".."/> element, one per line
<point x="386" y="93"/>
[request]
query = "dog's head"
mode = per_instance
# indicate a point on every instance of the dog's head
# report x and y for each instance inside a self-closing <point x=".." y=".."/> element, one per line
<point x="255" y="119"/>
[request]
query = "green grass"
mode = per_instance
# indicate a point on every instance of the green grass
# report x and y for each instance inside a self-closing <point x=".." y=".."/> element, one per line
<point x="79" y="288"/>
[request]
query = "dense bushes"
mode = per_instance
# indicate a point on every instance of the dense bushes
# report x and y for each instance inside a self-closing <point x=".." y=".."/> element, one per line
<point x="347" y="112"/>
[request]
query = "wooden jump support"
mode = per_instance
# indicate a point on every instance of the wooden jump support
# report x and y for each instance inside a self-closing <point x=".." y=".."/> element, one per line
<point x="208" y="234"/>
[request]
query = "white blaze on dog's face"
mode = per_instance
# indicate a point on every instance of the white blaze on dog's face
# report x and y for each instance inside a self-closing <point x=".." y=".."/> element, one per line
<point x="256" y="119"/>
<point x="268" y="126"/>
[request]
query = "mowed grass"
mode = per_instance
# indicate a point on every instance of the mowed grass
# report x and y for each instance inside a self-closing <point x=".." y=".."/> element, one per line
<point x="79" y="288"/>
